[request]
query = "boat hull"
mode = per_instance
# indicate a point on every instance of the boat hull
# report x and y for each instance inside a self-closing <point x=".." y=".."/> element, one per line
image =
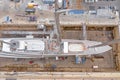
<point x="44" y="53"/>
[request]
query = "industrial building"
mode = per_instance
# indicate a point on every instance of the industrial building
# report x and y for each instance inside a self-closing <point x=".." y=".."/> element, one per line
<point x="59" y="40"/>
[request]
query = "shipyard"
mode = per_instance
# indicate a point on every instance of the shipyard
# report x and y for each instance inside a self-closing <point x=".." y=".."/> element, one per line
<point x="59" y="40"/>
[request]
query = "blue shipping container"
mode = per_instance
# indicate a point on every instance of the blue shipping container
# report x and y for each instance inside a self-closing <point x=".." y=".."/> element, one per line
<point x="76" y="12"/>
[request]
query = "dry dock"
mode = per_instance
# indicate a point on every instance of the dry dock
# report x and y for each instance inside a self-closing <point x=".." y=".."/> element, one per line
<point x="105" y="66"/>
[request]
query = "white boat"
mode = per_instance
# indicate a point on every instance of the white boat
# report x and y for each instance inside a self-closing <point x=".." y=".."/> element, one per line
<point x="38" y="48"/>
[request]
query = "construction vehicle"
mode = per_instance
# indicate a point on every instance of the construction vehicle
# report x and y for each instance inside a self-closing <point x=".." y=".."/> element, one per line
<point x="30" y="7"/>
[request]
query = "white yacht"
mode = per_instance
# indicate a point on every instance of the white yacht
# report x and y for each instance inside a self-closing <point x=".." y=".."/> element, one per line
<point x="38" y="48"/>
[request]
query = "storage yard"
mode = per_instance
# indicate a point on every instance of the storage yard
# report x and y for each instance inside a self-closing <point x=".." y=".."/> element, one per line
<point x="22" y="23"/>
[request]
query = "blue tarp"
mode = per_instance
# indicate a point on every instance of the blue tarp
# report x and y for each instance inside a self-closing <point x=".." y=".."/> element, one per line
<point x="76" y="12"/>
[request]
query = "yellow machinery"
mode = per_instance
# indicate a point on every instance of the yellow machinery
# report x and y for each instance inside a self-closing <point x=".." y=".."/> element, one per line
<point x="30" y="7"/>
